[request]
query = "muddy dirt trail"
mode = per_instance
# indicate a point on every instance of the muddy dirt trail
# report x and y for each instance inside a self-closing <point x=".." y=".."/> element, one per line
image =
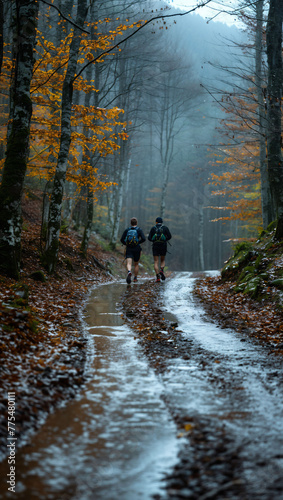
<point x="229" y="397"/>
<point x="208" y="426"/>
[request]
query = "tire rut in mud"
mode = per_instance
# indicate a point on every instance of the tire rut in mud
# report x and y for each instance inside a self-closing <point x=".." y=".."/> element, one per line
<point x="208" y="463"/>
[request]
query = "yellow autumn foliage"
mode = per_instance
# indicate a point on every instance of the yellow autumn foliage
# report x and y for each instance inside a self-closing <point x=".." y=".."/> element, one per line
<point x="105" y="127"/>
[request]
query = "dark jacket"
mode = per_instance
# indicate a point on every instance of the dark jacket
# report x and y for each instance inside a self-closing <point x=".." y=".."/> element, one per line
<point x="166" y="232"/>
<point x="140" y="235"/>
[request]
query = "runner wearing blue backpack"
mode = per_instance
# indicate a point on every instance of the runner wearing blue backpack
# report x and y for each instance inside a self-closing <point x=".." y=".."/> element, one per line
<point x="159" y="235"/>
<point x="132" y="237"/>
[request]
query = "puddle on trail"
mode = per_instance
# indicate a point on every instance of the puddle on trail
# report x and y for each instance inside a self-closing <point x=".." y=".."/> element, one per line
<point x="116" y="440"/>
<point x="229" y="380"/>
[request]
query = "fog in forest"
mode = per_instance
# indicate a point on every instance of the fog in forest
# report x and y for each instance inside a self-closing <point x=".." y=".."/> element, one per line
<point x="168" y="78"/>
<point x="170" y="81"/>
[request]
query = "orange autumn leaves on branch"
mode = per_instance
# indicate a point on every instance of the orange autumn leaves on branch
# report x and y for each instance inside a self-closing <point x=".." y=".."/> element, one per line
<point x="240" y="183"/>
<point x="104" y="126"/>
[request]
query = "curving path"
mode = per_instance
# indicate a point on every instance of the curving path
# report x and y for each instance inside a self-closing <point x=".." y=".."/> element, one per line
<point x="117" y="440"/>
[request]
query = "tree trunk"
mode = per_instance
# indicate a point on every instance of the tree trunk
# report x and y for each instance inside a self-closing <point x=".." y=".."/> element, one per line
<point x="89" y="202"/>
<point x="1" y="33"/>
<point x="267" y="215"/>
<point x="88" y="225"/>
<point x="200" y="239"/>
<point x="14" y="45"/>
<point x="120" y="193"/>
<point x="123" y="103"/>
<point x="274" y="95"/>
<point x="164" y="188"/>
<point x="54" y="223"/>
<point x="18" y="142"/>
<point x="45" y="213"/>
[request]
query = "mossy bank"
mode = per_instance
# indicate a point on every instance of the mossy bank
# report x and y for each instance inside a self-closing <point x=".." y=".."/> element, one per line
<point x="256" y="269"/>
<point x="248" y="294"/>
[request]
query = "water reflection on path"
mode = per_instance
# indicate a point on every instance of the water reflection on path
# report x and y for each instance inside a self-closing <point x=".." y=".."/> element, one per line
<point x="116" y="440"/>
<point x="232" y="380"/>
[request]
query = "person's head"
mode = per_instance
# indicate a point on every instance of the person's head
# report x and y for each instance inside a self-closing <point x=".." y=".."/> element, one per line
<point x="134" y="221"/>
<point x="159" y="220"/>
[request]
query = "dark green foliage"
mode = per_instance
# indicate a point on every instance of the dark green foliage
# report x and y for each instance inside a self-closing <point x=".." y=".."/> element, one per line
<point x="256" y="268"/>
<point x="38" y="276"/>
<point x="243" y="254"/>
<point x="69" y="264"/>
<point x="64" y="227"/>
<point x="271" y="226"/>
<point x="242" y="247"/>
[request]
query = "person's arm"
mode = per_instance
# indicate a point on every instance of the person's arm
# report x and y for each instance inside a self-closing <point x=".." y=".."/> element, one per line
<point x="150" y="234"/>
<point x="123" y="237"/>
<point x="141" y="236"/>
<point x="168" y="234"/>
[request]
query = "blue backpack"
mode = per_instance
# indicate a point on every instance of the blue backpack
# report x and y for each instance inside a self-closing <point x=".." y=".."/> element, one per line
<point x="132" y="237"/>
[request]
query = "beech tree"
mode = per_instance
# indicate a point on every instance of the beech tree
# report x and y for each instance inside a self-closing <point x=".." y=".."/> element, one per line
<point x="246" y="130"/>
<point x="274" y="116"/>
<point x="17" y="152"/>
<point x="1" y="33"/>
<point x="268" y="214"/>
<point x="54" y="221"/>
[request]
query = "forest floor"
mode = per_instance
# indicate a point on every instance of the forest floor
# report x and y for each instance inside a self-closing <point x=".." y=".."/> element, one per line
<point x="43" y="346"/>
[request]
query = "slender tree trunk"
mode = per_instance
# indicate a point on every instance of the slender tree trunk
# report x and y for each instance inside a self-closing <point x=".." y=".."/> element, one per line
<point x="111" y="204"/>
<point x="54" y="223"/>
<point x="88" y="225"/>
<point x="164" y="189"/>
<point x="127" y="188"/>
<point x="120" y="193"/>
<point x="267" y="215"/>
<point x="45" y="213"/>
<point x="1" y="33"/>
<point x="89" y="210"/>
<point x="18" y="142"/>
<point x="123" y="153"/>
<point x="274" y="95"/>
<point x="200" y="239"/>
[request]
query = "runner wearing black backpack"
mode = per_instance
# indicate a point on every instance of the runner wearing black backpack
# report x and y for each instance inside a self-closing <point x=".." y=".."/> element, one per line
<point x="159" y="235"/>
<point x="132" y="237"/>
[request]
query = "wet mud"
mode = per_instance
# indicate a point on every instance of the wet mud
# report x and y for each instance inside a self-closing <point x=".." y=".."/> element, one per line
<point x="223" y="390"/>
<point x="173" y="407"/>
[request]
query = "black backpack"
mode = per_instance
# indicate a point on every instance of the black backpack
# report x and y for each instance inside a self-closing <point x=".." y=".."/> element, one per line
<point x="159" y="236"/>
<point x="132" y="237"/>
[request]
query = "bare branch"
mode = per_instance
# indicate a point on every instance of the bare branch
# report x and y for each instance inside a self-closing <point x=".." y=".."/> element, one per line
<point x="136" y="31"/>
<point x="66" y="19"/>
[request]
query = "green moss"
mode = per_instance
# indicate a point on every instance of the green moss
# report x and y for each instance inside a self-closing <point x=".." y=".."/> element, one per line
<point x="247" y="271"/>
<point x="38" y="276"/>
<point x="33" y="324"/>
<point x="243" y="255"/>
<point x="252" y="288"/>
<point x="64" y="227"/>
<point x="264" y="276"/>
<point x="278" y="283"/>
<point x="242" y="247"/>
<point x="272" y="226"/>
<point x="262" y="234"/>
<point x="240" y="288"/>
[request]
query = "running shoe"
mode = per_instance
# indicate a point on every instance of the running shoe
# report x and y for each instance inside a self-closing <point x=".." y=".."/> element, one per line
<point x="157" y="278"/>
<point x="129" y="278"/>
<point x="162" y="275"/>
<point x="135" y="279"/>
